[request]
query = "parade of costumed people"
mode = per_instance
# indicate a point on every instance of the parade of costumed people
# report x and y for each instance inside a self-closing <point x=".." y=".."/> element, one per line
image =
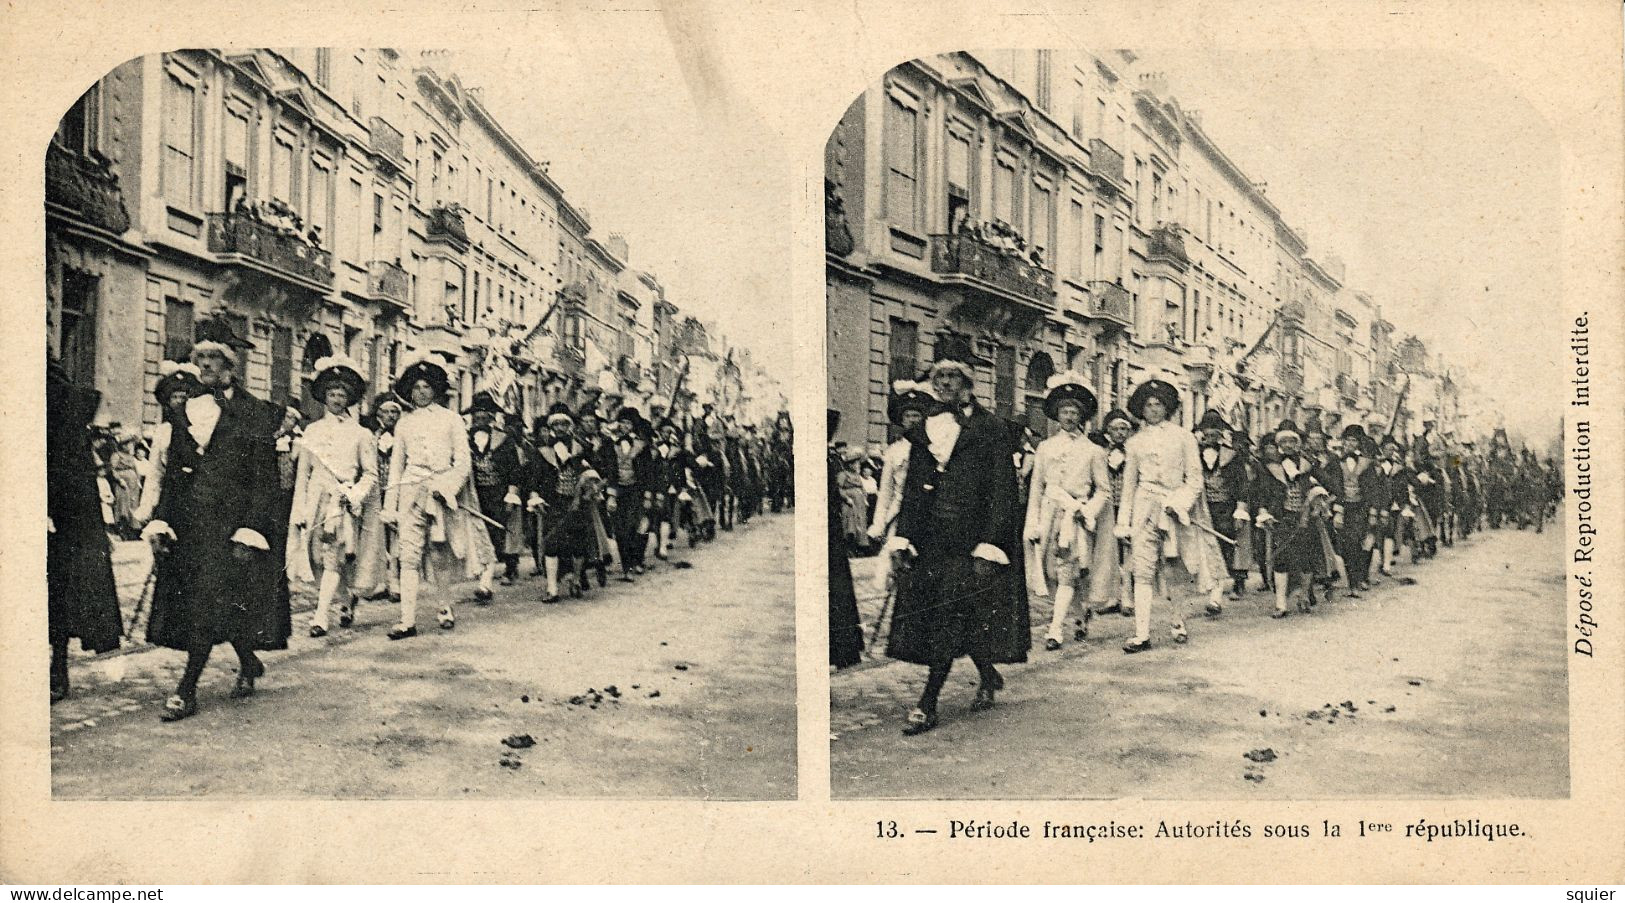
<point x="245" y="502"/>
<point x="1118" y="505"/>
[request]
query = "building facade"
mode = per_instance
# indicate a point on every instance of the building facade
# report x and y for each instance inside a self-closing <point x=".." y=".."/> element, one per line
<point x="326" y="200"/>
<point x="1035" y="211"/>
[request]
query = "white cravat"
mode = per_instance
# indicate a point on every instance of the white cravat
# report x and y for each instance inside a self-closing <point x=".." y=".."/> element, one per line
<point x="202" y="414"/>
<point x="482" y="440"/>
<point x="1210" y="457"/>
<point x="943" y="431"/>
<point x="1289" y="466"/>
<point x="561" y="451"/>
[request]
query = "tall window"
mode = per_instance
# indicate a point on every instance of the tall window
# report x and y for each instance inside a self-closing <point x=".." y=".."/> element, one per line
<point x="77" y="345"/>
<point x="1004" y="381"/>
<point x="350" y="243"/>
<point x="180" y="141"/>
<point x="321" y="197"/>
<point x="1139" y="191"/>
<point x="79" y="131"/>
<point x="959" y="178"/>
<point x="236" y="181"/>
<point x="1156" y="198"/>
<point x="1043" y="211"/>
<point x="1114" y="254"/>
<point x="1046" y="62"/>
<point x="1076" y="229"/>
<point x="902" y="140"/>
<point x="902" y="355"/>
<point x="282" y="170"/>
<point x="281" y="364"/>
<point x="1100" y="247"/>
<point x="178" y="334"/>
<point x="1079" y="100"/>
<point x="1004" y="191"/>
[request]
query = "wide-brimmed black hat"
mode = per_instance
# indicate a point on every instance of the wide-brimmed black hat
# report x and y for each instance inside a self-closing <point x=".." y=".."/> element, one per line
<point x="174" y="376"/>
<point x="341" y="371"/>
<point x="1213" y="420"/>
<point x="1153" y="388"/>
<point x="1064" y="387"/>
<point x="1287" y="426"/>
<point x="486" y="402"/>
<point x="215" y="335"/>
<point x="427" y="369"/>
<point x="1392" y="440"/>
<point x="909" y="396"/>
<point x="1354" y="431"/>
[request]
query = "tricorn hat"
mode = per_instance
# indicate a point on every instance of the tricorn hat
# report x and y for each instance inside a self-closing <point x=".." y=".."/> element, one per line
<point x="174" y="376"/>
<point x="1153" y="388"/>
<point x="1213" y="420"/>
<point x="426" y="368"/>
<point x="947" y="359"/>
<point x="486" y="402"/>
<point x="908" y="396"/>
<point x="215" y="336"/>
<point x="338" y="369"/>
<point x="1069" y="386"/>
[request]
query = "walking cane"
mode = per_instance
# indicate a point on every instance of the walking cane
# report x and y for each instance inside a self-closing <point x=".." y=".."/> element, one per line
<point x="885" y="607"/>
<point x="146" y="594"/>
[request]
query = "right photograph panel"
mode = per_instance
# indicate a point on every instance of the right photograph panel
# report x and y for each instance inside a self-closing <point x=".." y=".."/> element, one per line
<point x="1188" y="432"/>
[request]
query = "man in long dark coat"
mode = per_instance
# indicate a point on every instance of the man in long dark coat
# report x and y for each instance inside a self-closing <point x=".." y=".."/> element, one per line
<point x="961" y="586"/>
<point x="498" y="474"/>
<point x="632" y="489"/>
<point x="1226" y="484"/>
<point x="81" y="597"/>
<point x="845" y="629"/>
<point x="1353" y="480"/>
<point x="218" y="581"/>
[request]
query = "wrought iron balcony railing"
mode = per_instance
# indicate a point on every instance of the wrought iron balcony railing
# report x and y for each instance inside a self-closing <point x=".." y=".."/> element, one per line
<point x="1105" y="161"/>
<point x="446" y="224"/>
<point x="387" y="141"/>
<point x="271" y="246"/>
<point x="85" y="186"/>
<point x="964" y="255"/>
<point x="387" y="281"/>
<point x="1110" y="301"/>
<point x="1165" y="241"/>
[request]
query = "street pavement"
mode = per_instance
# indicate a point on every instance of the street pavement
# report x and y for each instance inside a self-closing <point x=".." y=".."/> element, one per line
<point x="1455" y="686"/>
<point x="681" y="685"/>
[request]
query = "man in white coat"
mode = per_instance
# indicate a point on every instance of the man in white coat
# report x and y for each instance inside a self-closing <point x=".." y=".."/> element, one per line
<point x="1069" y="490"/>
<point x="1164" y="509"/>
<point x="336" y="471"/>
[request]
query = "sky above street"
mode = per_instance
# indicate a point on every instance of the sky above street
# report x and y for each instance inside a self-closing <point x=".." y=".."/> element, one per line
<point x="702" y="201"/>
<point x="1431" y="176"/>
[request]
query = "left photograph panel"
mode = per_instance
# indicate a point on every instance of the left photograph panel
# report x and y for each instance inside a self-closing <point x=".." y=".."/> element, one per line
<point x="378" y="468"/>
